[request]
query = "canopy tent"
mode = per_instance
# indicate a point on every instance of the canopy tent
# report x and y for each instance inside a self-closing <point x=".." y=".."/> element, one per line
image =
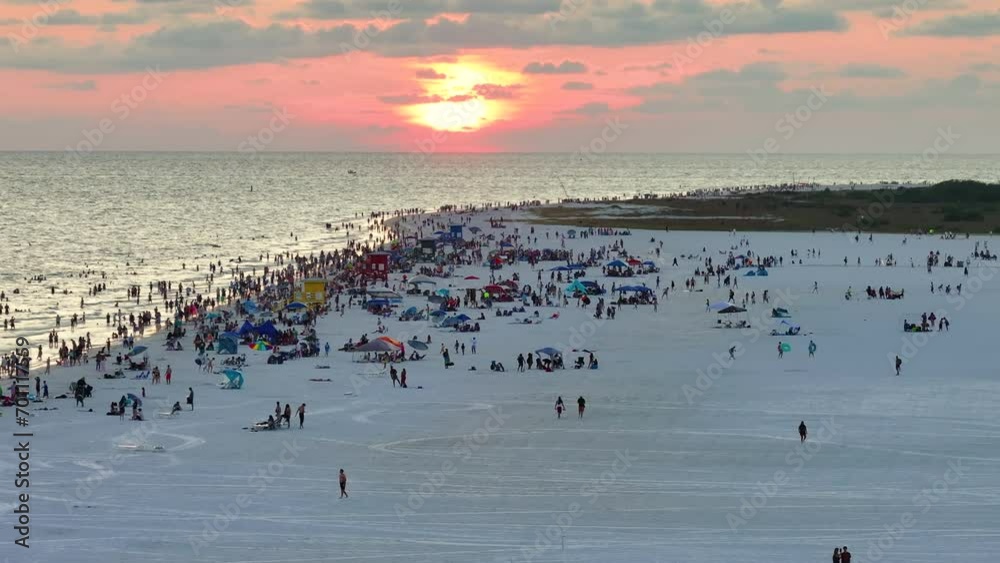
<point x="390" y="340"/>
<point x="376" y="346"/>
<point x="234" y="379"/>
<point x="634" y="289"/>
<point x="246" y="329"/>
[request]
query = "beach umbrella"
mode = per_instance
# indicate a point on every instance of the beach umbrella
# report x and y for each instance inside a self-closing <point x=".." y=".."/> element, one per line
<point x="786" y="347"/>
<point x="463" y="317"/>
<point x="212" y="316"/>
<point x="295" y="306"/>
<point x="471" y="278"/>
<point x="474" y="229"/>
<point x="451" y="321"/>
<point x="438" y="313"/>
<point x="137" y="350"/>
<point x="260" y="346"/>
<point x="443" y="292"/>
<point x="376" y="346"/>
<point x="134" y="400"/>
<point x="722" y="305"/>
<point x="417" y="345"/>
<point x="548" y="351"/>
<point x="419" y="279"/>
<point x="617" y="264"/>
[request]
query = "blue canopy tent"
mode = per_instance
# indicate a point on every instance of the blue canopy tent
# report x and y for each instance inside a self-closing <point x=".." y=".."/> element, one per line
<point x="246" y="329"/>
<point x="234" y="379"/>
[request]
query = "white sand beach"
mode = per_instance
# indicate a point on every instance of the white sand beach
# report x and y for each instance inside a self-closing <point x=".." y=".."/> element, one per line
<point x="683" y="455"/>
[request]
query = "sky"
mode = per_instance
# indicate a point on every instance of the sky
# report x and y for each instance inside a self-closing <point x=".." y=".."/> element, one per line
<point x="677" y="76"/>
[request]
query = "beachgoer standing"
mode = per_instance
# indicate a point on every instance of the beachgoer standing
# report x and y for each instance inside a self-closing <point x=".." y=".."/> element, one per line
<point x="836" y="555"/>
<point x="302" y="414"/>
<point x="402" y="379"/>
<point x="812" y="349"/>
<point x="802" y="431"/>
<point x="288" y="415"/>
<point x="581" y="404"/>
<point x="781" y="351"/>
<point x="899" y="365"/>
<point x="343" y="484"/>
<point x="190" y="397"/>
<point x="845" y="556"/>
<point x="169" y="374"/>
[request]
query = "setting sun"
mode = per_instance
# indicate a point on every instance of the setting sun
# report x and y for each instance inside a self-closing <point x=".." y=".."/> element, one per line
<point x="462" y="96"/>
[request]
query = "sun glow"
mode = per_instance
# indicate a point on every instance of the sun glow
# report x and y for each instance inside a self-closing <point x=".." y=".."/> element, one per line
<point x="464" y="96"/>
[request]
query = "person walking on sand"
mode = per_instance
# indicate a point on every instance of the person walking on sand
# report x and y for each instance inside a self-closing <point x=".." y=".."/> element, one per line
<point x="343" y="484"/>
<point x="301" y="411"/>
<point x="581" y="404"/>
<point x="732" y="352"/>
<point x="393" y="376"/>
<point x="802" y="431"/>
<point x="402" y="379"/>
<point x="560" y="407"/>
<point x="781" y="351"/>
<point x="287" y="415"/>
<point x="190" y="397"/>
<point x="169" y="374"/>
<point x="899" y="365"/>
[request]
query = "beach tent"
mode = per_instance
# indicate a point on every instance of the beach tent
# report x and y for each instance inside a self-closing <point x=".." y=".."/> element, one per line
<point x="267" y="330"/>
<point x="246" y="329"/>
<point x="234" y="379"/>
<point x="576" y="286"/>
<point x="226" y="345"/>
<point x="295" y="306"/>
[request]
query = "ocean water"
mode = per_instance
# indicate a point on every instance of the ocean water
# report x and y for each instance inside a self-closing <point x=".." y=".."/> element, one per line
<point x="138" y="217"/>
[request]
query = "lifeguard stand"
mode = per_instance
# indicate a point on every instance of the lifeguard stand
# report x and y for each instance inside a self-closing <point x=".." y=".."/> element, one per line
<point x="376" y="266"/>
<point x="312" y="291"/>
